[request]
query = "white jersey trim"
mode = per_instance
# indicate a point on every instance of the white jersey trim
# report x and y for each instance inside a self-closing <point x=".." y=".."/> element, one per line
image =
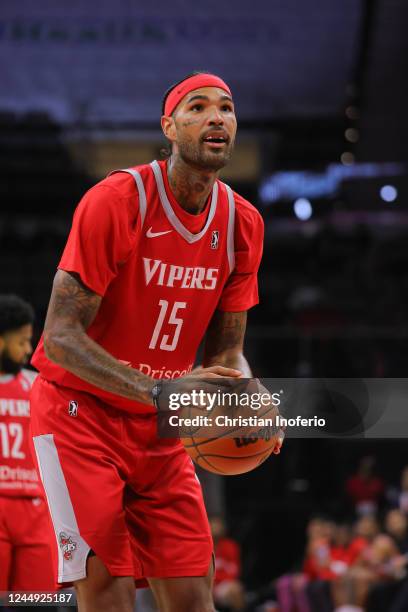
<point x="141" y="190"/>
<point x="171" y="215"/>
<point x="61" y="509"/>
<point x="6" y="378"/>
<point x="29" y="376"/>
<point x="231" y="228"/>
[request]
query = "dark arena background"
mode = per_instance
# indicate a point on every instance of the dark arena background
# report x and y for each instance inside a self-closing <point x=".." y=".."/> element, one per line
<point x="321" y="95"/>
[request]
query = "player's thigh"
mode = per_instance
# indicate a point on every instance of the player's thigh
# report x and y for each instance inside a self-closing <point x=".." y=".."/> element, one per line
<point x="168" y="522"/>
<point x="32" y="565"/>
<point x="32" y="568"/>
<point x="5" y="561"/>
<point x="83" y="475"/>
<point x="6" y="549"/>
<point x="184" y="594"/>
<point x="102" y="591"/>
<point x="85" y="498"/>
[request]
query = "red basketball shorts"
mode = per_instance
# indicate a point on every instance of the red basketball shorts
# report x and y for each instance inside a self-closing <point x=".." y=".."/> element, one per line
<point x="25" y="545"/>
<point x="114" y="487"/>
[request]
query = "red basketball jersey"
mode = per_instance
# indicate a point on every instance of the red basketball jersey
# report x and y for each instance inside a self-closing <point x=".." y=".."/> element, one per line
<point x="162" y="272"/>
<point x="18" y="476"/>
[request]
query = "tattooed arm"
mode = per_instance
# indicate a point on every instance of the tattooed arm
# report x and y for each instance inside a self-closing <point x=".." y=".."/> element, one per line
<point x="72" y="309"/>
<point x="225" y="341"/>
<point x="224" y="346"/>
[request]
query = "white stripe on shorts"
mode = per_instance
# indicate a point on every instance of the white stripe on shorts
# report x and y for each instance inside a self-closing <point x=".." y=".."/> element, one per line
<point x="73" y="550"/>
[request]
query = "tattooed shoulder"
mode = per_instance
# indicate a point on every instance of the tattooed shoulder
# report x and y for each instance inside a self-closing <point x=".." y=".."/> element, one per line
<point x="72" y="301"/>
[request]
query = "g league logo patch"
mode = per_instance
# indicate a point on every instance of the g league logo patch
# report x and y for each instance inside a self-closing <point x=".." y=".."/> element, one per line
<point x="215" y="236"/>
<point x="73" y="408"/>
<point x="67" y="545"/>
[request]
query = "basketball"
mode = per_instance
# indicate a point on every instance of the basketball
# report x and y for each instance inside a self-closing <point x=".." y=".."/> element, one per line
<point x="235" y="449"/>
<point x="229" y="456"/>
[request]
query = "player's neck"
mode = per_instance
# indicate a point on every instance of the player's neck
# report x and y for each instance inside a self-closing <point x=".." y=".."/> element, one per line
<point x="190" y="186"/>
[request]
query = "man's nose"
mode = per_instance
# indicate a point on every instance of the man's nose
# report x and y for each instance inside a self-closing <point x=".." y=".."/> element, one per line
<point x="215" y="116"/>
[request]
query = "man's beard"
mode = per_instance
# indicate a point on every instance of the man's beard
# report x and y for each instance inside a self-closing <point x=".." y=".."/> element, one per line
<point x="8" y="365"/>
<point x="195" y="154"/>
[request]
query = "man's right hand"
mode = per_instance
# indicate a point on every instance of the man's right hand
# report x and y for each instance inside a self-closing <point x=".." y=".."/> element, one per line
<point x="214" y="372"/>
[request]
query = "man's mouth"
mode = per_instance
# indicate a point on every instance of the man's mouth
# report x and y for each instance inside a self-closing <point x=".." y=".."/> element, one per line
<point x="216" y="140"/>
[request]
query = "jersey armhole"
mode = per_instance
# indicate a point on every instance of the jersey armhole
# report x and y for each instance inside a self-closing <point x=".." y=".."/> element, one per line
<point x="141" y="191"/>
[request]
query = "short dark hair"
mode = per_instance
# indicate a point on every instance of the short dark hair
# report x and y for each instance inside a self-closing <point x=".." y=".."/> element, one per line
<point x="14" y="313"/>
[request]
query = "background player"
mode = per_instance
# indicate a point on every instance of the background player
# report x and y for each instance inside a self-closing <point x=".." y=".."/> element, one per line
<point x="157" y="257"/>
<point x="25" y="530"/>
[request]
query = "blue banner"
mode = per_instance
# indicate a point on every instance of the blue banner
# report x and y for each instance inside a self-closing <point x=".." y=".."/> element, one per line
<point x="104" y="61"/>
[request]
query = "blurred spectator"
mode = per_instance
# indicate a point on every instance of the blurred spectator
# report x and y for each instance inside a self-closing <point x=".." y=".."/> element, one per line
<point x="307" y="591"/>
<point x="393" y="595"/>
<point x="338" y="547"/>
<point x="379" y="564"/>
<point x="327" y="560"/>
<point x="332" y="551"/>
<point x="398" y="497"/>
<point x="291" y="588"/>
<point x="228" y="589"/>
<point x="364" y="489"/>
<point x="365" y="530"/>
<point x="396" y="526"/>
<point x="318" y="550"/>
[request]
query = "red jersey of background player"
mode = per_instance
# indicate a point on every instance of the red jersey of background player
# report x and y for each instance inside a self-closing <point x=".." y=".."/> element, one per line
<point x="227" y="560"/>
<point x="161" y="271"/>
<point x="18" y="476"/>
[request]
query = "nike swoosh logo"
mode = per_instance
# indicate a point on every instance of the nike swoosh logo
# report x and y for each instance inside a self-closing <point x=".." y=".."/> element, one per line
<point x="151" y="234"/>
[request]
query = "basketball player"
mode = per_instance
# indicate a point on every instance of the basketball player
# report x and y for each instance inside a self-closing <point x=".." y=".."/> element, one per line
<point x="25" y="530"/>
<point x="158" y="256"/>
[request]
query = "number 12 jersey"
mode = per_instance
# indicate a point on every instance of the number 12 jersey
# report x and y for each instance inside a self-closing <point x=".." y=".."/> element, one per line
<point x="18" y="476"/>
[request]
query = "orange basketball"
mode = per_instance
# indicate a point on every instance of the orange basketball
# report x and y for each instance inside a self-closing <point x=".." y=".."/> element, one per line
<point x="229" y="456"/>
<point x="235" y="449"/>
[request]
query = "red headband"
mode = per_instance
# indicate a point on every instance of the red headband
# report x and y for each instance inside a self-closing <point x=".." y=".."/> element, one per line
<point x="194" y="82"/>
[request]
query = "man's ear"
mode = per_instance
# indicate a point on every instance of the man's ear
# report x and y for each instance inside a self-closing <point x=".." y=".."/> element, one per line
<point x="169" y="128"/>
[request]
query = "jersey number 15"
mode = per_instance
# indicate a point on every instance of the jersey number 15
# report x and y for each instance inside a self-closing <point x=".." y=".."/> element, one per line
<point x="167" y="344"/>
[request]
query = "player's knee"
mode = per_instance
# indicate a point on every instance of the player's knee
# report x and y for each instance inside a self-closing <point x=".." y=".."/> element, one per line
<point x="198" y="602"/>
<point x="195" y="598"/>
<point x="97" y="574"/>
<point x="199" y="606"/>
<point x="101" y="591"/>
<point x="115" y="596"/>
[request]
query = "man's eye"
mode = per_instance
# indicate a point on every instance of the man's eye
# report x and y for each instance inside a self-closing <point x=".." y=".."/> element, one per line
<point x="197" y="107"/>
<point x="227" y="108"/>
